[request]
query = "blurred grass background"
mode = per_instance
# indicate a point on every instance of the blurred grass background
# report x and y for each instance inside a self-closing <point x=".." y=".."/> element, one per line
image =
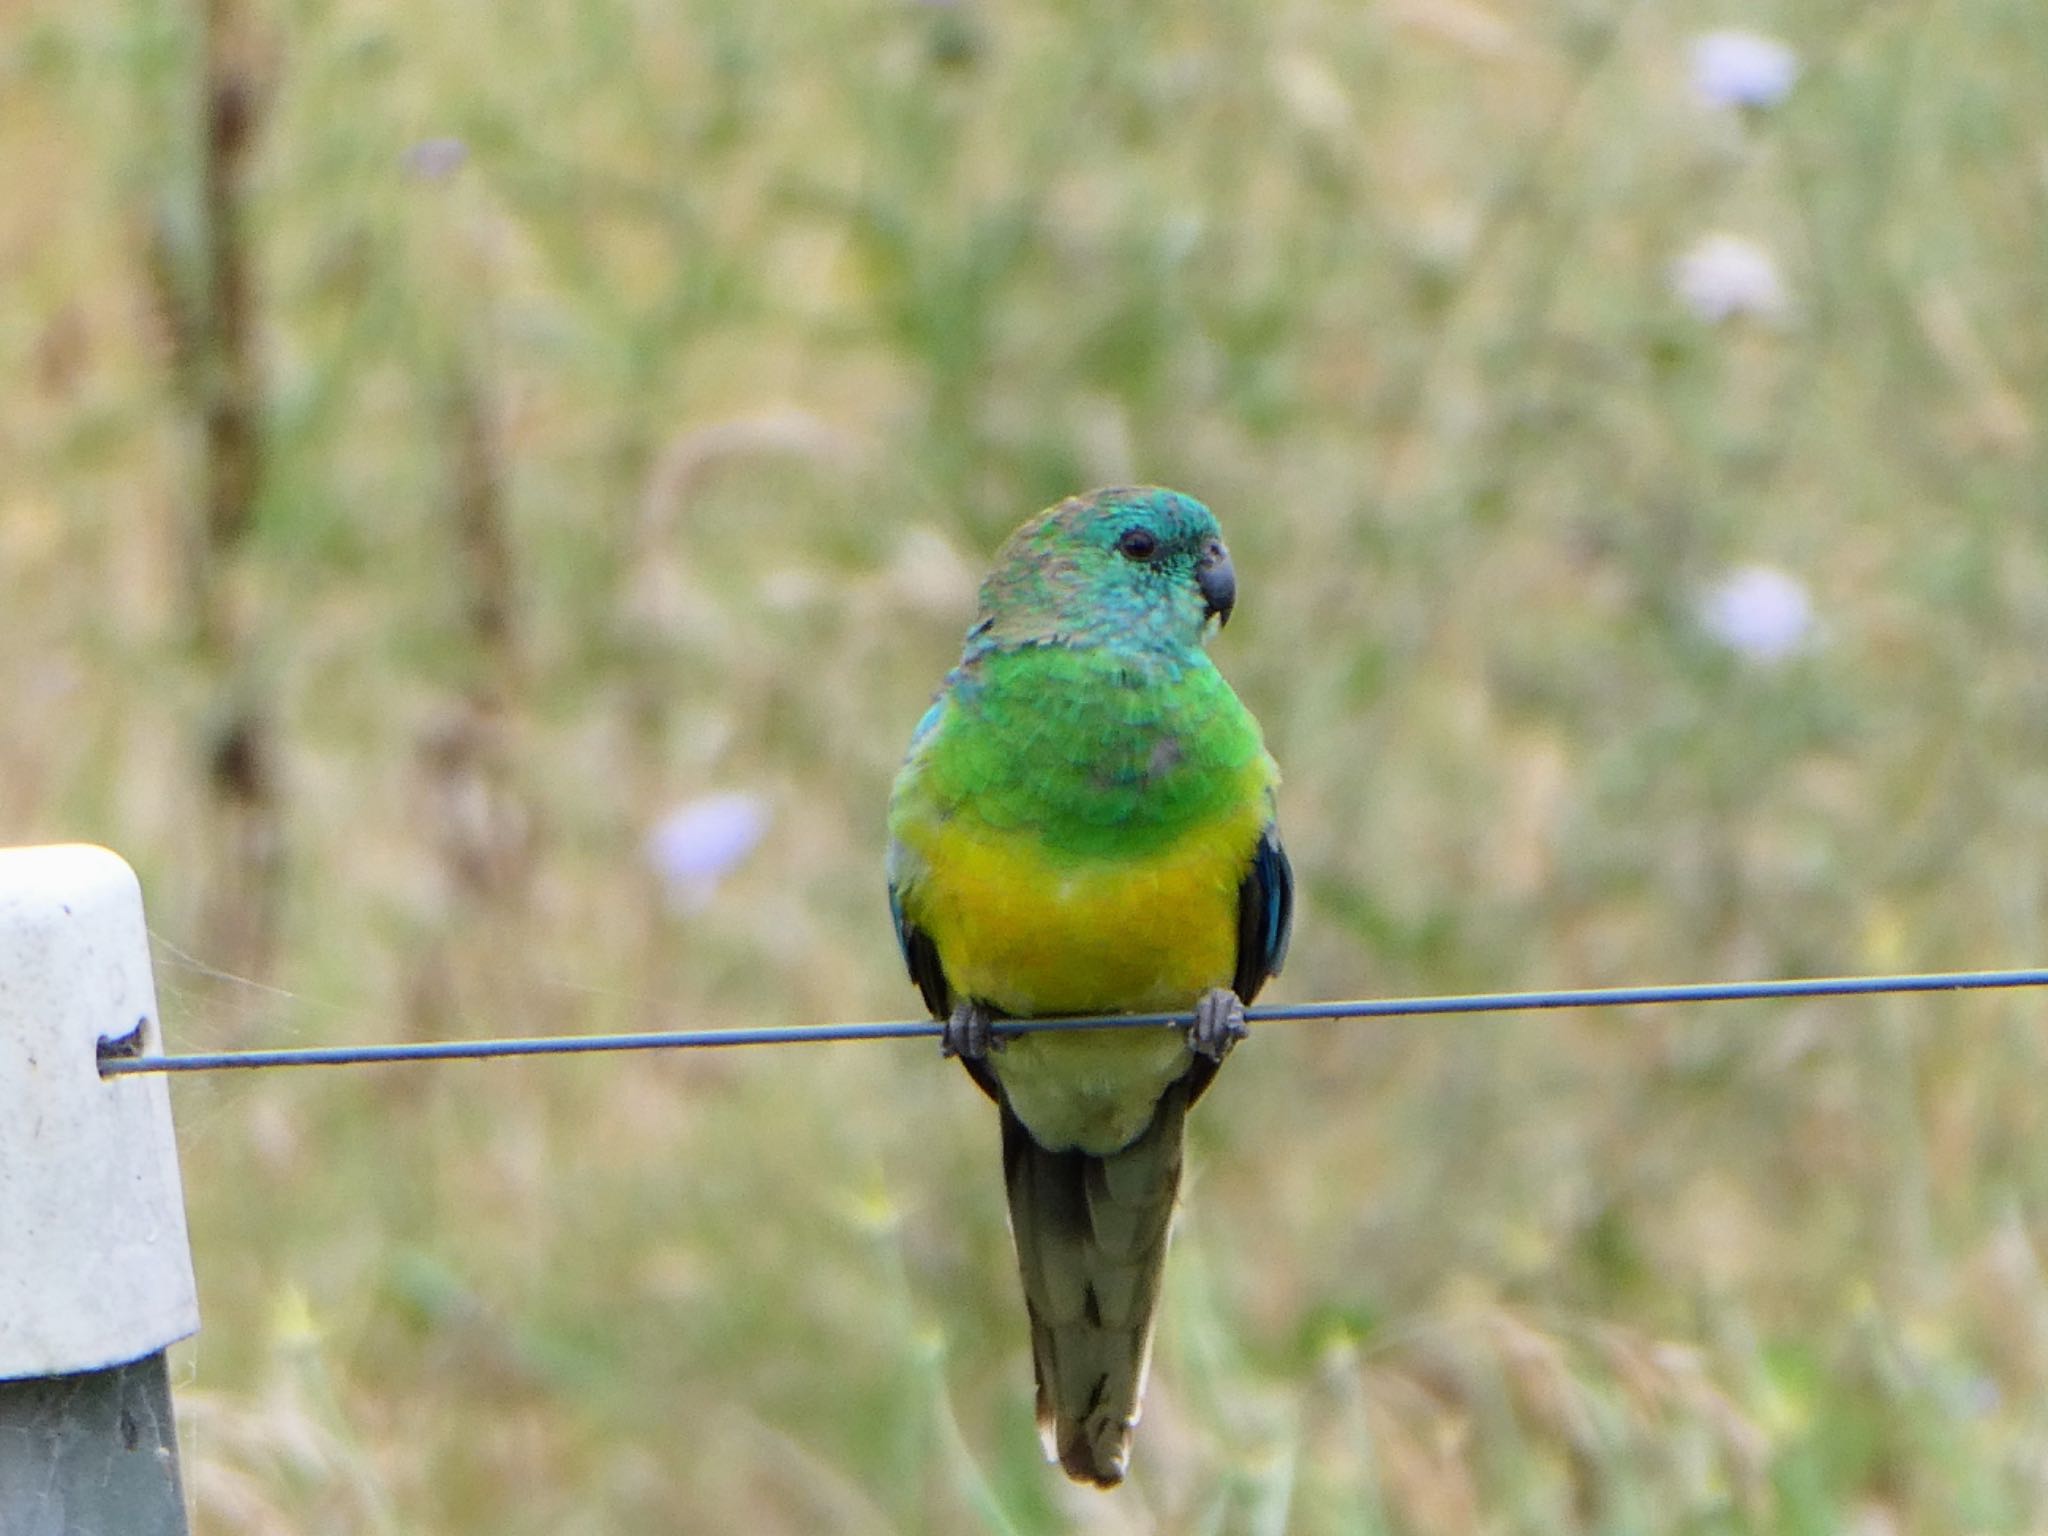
<point x="632" y="395"/>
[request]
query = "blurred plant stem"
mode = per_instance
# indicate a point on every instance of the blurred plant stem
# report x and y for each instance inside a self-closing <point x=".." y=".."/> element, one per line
<point x="484" y="842"/>
<point x="477" y="813"/>
<point x="211" y="301"/>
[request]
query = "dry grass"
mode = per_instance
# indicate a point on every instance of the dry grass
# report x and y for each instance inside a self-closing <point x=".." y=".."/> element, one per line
<point x="653" y="450"/>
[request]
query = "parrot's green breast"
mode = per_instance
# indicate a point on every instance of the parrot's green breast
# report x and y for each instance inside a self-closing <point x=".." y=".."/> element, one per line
<point x="1091" y="754"/>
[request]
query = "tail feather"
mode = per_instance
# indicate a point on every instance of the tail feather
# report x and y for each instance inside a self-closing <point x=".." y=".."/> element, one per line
<point x="1091" y="1245"/>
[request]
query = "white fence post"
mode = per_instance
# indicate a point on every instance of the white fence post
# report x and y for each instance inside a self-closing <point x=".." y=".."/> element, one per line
<point x="95" y="1266"/>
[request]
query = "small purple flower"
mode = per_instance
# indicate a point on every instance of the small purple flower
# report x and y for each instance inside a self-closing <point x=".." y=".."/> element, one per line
<point x="1981" y="1396"/>
<point x="1725" y="276"/>
<point x="1759" y="612"/>
<point x="435" y="159"/>
<point x="1742" y="69"/>
<point x="696" y="845"/>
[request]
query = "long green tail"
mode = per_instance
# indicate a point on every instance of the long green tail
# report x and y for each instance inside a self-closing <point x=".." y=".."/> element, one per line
<point x="1091" y="1244"/>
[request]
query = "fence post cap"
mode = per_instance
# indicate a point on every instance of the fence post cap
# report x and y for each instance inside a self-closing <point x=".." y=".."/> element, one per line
<point x="95" y="1264"/>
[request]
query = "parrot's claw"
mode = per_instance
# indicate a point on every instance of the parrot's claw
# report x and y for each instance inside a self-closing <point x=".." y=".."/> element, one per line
<point x="1219" y="1023"/>
<point x="970" y="1033"/>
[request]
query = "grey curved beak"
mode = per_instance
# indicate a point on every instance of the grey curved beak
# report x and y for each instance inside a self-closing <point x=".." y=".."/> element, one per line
<point x="1218" y="581"/>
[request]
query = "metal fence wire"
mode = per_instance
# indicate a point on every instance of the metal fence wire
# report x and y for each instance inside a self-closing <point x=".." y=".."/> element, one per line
<point x="122" y="1056"/>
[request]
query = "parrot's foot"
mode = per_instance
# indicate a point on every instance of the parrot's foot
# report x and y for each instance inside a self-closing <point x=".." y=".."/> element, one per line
<point x="970" y="1034"/>
<point x="1219" y="1023"/>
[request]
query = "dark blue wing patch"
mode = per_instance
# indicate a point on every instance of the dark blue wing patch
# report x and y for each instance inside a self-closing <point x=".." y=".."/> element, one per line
<point x="921" y="955"/>
<point x="1265" y="920"/>
<point x="1265" y="916"/>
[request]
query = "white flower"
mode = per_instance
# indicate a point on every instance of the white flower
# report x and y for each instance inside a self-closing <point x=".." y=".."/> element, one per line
<point x="697" y="845"/>
<point x="1759" y="612"/>
<point x="1724" y="276"/>
<point x="1742" y="69"/>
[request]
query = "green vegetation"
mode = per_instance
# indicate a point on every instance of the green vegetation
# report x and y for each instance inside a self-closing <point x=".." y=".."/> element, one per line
<point x="647" y="442"/>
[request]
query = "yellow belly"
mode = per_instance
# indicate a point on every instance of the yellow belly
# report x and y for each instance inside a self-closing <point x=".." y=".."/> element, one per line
<point x="1034" y="936"/>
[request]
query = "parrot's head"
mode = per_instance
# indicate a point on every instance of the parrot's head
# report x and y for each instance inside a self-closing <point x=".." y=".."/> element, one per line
<point x="1138" y="566"/>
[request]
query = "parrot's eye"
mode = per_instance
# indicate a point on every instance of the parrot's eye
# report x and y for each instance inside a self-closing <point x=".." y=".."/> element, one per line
<point x="1138" y="544"/>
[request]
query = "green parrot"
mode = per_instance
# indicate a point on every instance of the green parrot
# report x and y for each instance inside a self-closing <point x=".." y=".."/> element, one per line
<point x="1085" y="824"/>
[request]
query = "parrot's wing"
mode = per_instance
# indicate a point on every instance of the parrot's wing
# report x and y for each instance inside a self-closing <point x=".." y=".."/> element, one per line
<point x="921" y="957"/>
<point x="920" y="954"/>
<point x="1265" y="916"/>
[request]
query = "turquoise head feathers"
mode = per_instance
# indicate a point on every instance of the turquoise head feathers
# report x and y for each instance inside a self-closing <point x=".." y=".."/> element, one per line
<point x="1132" y="568"/>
